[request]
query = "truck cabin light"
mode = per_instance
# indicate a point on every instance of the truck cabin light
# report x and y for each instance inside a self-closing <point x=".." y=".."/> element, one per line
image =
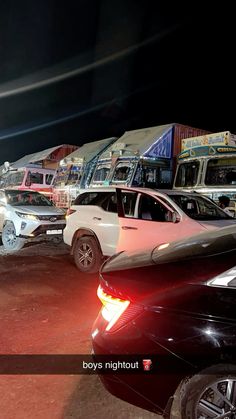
<point x="113" y="307"/>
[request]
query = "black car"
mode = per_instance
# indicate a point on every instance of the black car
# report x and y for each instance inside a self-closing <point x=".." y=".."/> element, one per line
<point x="175" y="307"/>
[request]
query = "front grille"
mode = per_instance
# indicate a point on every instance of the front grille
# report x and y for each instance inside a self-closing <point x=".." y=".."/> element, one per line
<point x="53" y="217"/>
<point x="43" y="228"/>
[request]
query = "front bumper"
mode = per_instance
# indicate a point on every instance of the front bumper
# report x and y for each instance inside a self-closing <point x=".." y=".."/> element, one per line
<point x="46" y="230"/>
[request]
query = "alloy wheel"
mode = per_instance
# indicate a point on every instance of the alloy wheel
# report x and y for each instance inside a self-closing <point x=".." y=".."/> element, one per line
<point x="85" y="255"/>
<point x="218" y="401"/>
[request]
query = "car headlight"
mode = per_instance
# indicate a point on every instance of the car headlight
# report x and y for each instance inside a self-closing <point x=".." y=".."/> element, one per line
<point x="28" y="216"/>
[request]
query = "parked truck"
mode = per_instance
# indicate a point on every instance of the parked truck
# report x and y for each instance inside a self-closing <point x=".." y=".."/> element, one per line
<point x="34" y="171"/>
<point x="207" y="164"/>
<point x="143" y="157"/>
<point x="76" y="170"/>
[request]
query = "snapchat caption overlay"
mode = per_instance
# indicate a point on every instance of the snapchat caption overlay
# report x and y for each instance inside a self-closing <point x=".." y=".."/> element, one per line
<point x="75" y="364"/>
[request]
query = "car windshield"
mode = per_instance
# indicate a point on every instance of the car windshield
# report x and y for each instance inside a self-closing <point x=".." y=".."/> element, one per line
<point x="27" y="198"/>
<point x="199" y="207"/>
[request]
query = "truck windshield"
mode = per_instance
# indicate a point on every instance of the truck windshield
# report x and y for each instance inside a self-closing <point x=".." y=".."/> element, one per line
<point x="199" y="207"/>
<point x="122" y="172"/>
<point x="101" y="173"/>
<point x="187" y="174"/>
<point x="13" y="179"/>
<point x="221" y="171"/>
<point x="74" y="175"/>
<point x="61" y="176"/>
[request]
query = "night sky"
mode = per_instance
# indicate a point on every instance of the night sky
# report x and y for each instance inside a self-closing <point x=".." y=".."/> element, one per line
<point x="73" y="72"/>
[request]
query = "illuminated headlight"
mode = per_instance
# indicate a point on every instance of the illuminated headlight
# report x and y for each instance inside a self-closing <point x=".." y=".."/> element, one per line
<point x="27" y="216"/>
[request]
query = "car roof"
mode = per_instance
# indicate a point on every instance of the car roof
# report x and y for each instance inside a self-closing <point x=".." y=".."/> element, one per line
<point x="111" y="188"/>
<point x="159" y="191"/>
<point x="98" y="189"/>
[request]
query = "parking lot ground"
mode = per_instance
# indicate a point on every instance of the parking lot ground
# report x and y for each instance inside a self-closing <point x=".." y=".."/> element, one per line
<point x="48" y="307"/>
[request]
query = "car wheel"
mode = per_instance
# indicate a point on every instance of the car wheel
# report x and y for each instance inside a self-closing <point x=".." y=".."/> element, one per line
<point x="210" y="394"/>
<point x="87" y="255"/>
<point x="10" y="241"/>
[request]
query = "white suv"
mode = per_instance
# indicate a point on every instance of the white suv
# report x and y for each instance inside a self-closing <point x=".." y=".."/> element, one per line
<point x="26" y="215"/>
<point x="104" y="221"/>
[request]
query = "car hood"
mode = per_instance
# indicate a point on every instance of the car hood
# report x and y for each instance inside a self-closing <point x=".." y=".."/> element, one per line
<point x="39" y="210"/>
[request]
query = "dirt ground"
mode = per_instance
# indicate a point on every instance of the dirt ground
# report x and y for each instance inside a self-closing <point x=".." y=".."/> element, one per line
<point x="48" y="307"/>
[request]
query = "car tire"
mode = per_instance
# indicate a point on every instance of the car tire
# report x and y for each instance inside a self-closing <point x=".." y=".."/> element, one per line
<point x="202" y="392"/>
<point x="87" y="255"/>
<point x="10" y="241"/>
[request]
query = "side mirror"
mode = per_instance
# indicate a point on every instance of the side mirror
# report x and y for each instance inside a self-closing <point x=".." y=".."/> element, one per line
<point x="175" y="217"/>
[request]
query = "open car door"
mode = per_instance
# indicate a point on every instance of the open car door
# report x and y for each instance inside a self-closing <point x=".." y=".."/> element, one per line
<point x="146" y="221"/>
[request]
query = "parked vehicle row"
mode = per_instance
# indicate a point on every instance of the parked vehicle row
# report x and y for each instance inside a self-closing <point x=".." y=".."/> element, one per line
<point x="104" y="221"/>
<point x="142" y="157"/>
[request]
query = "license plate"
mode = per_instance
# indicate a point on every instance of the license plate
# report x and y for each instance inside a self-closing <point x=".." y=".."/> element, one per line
<point x="54" y="231"/>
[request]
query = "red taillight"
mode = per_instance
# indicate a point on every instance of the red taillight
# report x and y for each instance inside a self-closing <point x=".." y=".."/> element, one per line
<point x="116" y="311"/>
<point x="69" y="212"/>
<point x="113" y="307"/>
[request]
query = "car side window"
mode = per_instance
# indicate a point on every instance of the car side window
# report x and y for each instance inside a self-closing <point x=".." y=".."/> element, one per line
<point x="110" y="203"/>
<point x="129" y="202"/>
<point x="151" y="209"/>
<point x="87" y="198"/>
<point x="105" y="200"/>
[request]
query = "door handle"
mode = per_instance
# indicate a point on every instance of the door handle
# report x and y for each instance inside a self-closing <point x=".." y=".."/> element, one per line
<point x="128" y="228"/>
<point x="97" y="218"/>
